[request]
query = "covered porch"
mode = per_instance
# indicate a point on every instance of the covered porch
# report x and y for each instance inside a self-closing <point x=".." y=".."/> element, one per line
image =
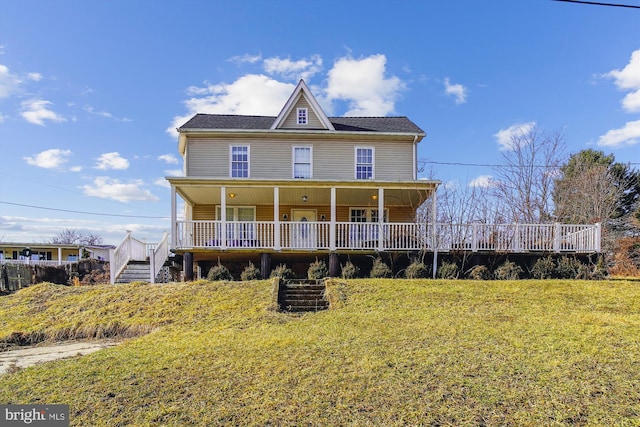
<point x="301" y="215"/>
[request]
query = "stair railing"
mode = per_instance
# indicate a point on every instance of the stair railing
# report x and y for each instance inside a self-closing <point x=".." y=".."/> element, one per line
<point x="129" y="250"/>
<point x="158" y="256"/>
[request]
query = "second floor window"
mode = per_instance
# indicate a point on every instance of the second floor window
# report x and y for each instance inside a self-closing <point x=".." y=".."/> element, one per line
<point x="302" y="116"/>
<point x="364" y="163"/>
<point x="239" y="161"/>
<point x="302" y="162"/>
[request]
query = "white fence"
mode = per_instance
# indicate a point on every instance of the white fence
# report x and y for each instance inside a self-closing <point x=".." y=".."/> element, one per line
<point x="269" y="235"/>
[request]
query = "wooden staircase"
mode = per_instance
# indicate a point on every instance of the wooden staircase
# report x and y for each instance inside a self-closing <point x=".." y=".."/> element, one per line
<point x="302" y="295"/>
<point x="135" y="271"/>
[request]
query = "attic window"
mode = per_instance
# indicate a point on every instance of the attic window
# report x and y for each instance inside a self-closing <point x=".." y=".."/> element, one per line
<point x="302" y="116"/>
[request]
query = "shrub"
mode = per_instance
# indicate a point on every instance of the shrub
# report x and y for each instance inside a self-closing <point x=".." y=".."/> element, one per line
<point x="250" y="272"/>
<point x="417" y="270"/>
<point x="568" y="268"/>
<point x="317" y="270"/>
<point x="508" y="271"/>
<point x="544" y="268"/>
<point x="283" y="272"/>
<point x="479" y="272"/>
<point x="350" y="270"/>
<point x="380" y="269"/>
<point x="219" y="272"/>
<point x="448" y="270"/>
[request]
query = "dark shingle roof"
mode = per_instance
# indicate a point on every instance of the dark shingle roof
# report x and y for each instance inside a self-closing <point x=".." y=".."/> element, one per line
<point x="345" y="124"/>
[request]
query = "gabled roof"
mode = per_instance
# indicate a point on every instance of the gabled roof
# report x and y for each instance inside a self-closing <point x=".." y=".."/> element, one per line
<point x="344" y="124"/>
<point x="301" y="96"/>
<point x="302" y="90"/>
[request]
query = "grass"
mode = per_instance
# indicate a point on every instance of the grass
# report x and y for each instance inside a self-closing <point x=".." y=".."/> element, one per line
<point x="390" y="352"/>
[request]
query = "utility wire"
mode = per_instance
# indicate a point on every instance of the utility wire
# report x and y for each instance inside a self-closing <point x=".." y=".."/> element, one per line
<point x="83" y="212"/>
<point x="489" y="165"/>
<point x="596" y="3"/>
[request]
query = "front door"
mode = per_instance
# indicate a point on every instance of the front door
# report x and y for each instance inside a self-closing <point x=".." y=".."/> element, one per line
<point x="303" y="232"/>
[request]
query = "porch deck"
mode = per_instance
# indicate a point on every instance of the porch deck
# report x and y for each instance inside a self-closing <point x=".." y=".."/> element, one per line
<point x="369" y="237"/>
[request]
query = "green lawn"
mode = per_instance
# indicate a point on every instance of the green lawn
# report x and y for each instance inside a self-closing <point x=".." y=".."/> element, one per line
<point x="390" y="352"/>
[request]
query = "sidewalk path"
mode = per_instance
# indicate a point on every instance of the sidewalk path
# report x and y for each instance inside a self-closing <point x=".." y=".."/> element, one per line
<point x="24" y="357"/>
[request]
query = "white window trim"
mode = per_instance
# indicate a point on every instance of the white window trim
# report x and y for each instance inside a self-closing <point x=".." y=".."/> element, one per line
<point x="306" y="116"/>
<point x="355" y="161"/>
<point x="293" y="160"/>
<point x="248" y="147"/>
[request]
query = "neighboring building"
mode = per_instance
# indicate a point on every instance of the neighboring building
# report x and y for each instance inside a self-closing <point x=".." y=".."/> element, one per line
<point x="296" y="187"/>
<point x="51" y="253"/>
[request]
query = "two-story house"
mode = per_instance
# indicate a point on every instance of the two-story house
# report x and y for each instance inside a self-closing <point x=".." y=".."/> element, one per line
<point x="296" y="187"/>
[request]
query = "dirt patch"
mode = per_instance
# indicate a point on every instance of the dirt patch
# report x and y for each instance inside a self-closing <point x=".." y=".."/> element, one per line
<point x="25" y="357"/>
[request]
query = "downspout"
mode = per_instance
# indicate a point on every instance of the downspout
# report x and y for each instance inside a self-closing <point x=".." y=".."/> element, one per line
<point x="415" y="157"/>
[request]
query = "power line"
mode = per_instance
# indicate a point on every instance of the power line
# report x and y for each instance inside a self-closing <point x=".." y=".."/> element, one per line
<point x="596" y="3"/>
<point x="84" y="212"/>
<point x="489" y="165"/>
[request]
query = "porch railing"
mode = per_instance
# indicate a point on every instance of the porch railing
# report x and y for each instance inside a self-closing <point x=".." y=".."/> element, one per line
<point x="269" y="235"/>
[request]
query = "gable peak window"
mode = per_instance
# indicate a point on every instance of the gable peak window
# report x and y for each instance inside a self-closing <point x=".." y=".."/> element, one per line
<point x="303" y="116"/>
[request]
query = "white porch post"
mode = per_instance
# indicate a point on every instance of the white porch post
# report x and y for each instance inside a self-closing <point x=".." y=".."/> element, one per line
<point x="598" y="242"/>
<point x="276" y="218"/>
<point x="174" y="218"/>
<point x="380" y="219"/>
<point x="59" y="255"/>
<point x="434" y="235"/>
<point x="332" y="229"/>
<point x="223" y="217"/>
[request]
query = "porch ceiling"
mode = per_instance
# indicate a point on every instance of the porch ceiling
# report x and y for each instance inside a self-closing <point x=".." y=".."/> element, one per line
<point x="395" y="194"/>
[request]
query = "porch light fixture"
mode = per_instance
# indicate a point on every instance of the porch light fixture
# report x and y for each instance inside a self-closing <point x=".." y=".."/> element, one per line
<point x="232" y="195"/>
<point x="304" y="199"/>
<point x="285" y="217"/>
<point x="374" y="197"/>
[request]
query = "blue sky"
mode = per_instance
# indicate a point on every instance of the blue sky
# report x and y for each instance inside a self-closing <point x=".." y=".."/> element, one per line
<point x="90" y="91"/>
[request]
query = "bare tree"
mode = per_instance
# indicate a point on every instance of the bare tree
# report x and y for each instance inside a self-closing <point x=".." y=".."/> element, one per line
<point x="76" y="237"/>
<point x="524" y="184"/>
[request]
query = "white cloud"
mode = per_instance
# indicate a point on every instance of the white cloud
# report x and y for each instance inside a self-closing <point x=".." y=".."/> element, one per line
<point x="628" y="135"/>
<point x="111" y="161"/>
<point x="36" y="77"/>
<point x="36" y="111"/>
<point x="631" y="102"/>
<point x="75" y="168"/>
<point x="110" y="188"/>
<point x="3" y="118"/>
<point x="458" y="91"/>
<point x="252" y="94"/>
<point x="161" y="182"/>
<point x="169" y="158"/>
<point x="89" y="109"/>
<point x="629" y="79"/>
<point x="9" y="82"/>
<point x="364" y="85"/>
<point x="49" y="159"/>
<point x="245" y="59"/>
<point x="483" y="181"/>
<point x="174" y="172"/>
<point x="300" y="69"/>
<point x="507" y="137"/>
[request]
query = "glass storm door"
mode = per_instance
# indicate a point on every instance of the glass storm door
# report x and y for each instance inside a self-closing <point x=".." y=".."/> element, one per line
<point x="303" y="233"/>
